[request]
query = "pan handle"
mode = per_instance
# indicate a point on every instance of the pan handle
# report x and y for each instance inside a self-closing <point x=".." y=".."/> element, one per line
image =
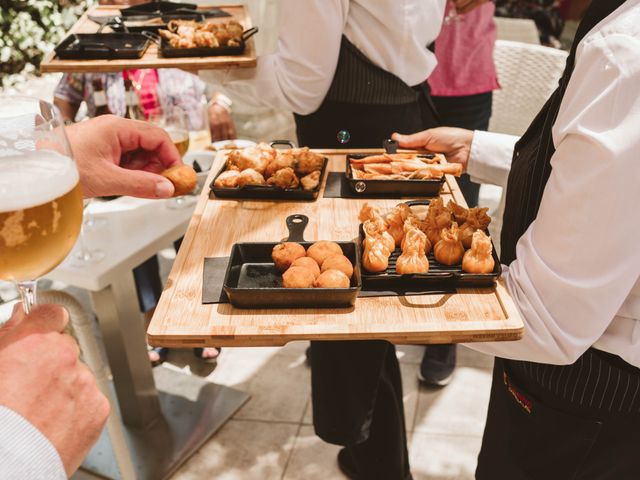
<point x="296" y="225"/>
<point x="390" y="146"/>
<point x="154" y="37"/>
<point x="288" y="143"/>
<point x="247" y="34"/>
<point x="416" y="203"/>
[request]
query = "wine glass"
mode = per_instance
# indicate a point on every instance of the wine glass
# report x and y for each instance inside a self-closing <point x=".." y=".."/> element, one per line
<point x="85" y="255"/>
<point x="40" y="195"/>
<point x="175" y="122"/>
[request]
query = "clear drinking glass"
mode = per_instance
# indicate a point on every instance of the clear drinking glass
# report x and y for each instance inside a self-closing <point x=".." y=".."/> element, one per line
<point x="40" y="196"/>
<point x="176" y="123"/>
<point x="86" y="255"/>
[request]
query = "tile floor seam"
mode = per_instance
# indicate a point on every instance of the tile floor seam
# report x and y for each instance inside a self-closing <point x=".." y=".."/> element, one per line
<point x="293" y="447"/>
<point x="278" y="422"/>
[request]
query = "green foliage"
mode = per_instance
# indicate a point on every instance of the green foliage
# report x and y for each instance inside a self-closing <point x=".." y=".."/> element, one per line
<point x="31" y="28"/>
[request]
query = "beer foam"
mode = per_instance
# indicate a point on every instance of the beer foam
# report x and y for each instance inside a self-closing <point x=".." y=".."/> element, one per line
<point x="35" y="178"/>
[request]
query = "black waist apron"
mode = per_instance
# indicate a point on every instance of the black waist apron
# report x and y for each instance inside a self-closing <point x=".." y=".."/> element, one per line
<point x="367" y="104"/>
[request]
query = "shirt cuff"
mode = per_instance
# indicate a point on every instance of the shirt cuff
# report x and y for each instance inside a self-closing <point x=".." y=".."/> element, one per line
<point x="490" y="157"/>
<point x="25" y="452"/>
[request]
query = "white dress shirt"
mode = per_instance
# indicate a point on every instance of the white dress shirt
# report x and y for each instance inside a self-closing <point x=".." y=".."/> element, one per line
<point x="393" y="34"/>
<point x="25" y="453"/>
<point x="576" y="278"/>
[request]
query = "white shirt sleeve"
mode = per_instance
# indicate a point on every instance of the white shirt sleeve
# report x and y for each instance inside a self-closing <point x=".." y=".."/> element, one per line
<point x="579" y="259"/>
<point x="490" y="157"/>
<point x="25" y="453"/>
<point x="298" y="76"/>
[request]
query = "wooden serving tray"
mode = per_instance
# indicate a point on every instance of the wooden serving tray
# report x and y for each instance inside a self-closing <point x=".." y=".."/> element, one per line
<point x="152" y="58"/>
<point x="181" y="320"/>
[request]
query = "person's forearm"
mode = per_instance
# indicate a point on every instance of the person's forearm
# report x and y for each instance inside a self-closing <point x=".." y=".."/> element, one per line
<point x="25" y="453"/>
<point x="490" y="157"/>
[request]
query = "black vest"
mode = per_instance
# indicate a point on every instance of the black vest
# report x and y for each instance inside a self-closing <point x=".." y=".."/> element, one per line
<point x="531" y="167"/>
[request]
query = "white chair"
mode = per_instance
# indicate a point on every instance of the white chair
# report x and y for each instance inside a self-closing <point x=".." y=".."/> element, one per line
<point x="517" y="29"/>
<point x="528" y="74"/>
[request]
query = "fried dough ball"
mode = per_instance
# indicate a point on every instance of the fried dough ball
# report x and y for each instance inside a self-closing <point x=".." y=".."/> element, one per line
<point x="322" y="250"/>
<point x="284" y="178"/>
<point x="183" y="177"/>
<point x="298" y="277"/>
<point x="250" y="177"/>
<point x="227" y="179"/>
<point x="257" y="157"/>
<point x="306" y="160"/>
<point x="338" y="262"/>
<point x="307" y="262"/>
<point x="332" y="279"/>
<point x="311" y="181"/>
<point x="281" y="161"/>
<point x="284" y="254"/>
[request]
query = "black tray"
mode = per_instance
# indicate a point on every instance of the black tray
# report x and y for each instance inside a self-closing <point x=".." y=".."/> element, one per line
<point x="401" y="188"/>
<point x="252" y="280"/>
<point x="270" y="192"/>
<point x="109" y="46"/>
<point x="172" y="52"/>
<point x="157" y="8"/>
<point x="439" y="275"/>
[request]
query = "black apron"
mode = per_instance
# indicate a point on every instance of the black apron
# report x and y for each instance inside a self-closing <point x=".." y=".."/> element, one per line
<point x="556" y="421"/>
<point x="356" y="385"/>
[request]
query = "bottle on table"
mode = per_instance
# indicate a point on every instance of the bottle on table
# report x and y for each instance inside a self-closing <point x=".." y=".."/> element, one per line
<point x="133" y="110"/>
<point x="100" y="97"/>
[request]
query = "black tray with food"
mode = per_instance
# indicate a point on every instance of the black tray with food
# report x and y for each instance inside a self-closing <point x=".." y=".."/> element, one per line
<point x="156" y="8"/>
<point x="252" y="279"/>
<point x="169" y="51"/>
<point x="439" y="275"/>
<point x="270" y="192"/>
<point x="399" y="187"/>
<point x="109" y="46"/>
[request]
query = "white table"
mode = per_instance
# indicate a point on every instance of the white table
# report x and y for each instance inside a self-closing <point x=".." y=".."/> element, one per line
<point x="164" y="425"/>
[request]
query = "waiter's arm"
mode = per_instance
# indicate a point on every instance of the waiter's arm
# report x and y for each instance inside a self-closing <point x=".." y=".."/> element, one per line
<point x="579" y="259"/>
<point x="296" y="77"/>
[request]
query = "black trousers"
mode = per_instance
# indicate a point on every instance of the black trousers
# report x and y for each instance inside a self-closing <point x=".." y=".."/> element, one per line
<point x="356" y="385"/>
<point x="473" y="113"/>
<point x="549" y="422"/>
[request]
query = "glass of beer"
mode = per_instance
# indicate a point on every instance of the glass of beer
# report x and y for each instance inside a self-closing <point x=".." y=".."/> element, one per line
<point x="40" y="196"/>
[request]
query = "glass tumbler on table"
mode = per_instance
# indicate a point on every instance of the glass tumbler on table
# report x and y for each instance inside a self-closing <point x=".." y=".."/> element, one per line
<point x="175" y="122"/>
<point x="40" y="195"/>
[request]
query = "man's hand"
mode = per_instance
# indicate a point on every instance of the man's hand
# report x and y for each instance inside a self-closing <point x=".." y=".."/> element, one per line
<point x="221" y="123"/>
<point x="116" y="156"/>
<point x="43" y="380"/>
<point x="454" y="143"/>
<point x="465" y="6"/>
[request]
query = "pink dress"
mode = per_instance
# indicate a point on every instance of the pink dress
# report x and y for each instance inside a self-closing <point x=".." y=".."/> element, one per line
<point x="464" y="50"/>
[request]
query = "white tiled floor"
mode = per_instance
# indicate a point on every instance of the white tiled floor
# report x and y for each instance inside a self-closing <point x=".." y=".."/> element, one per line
<point x="272" y="437"/>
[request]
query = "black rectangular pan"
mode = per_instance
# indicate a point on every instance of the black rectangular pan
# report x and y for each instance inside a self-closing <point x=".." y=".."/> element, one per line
<point x="252" y="280"/>
<point x="157" y="8"/>
<point x="269" y="192"/>
<point x="173" y="52"/>
<point x="400" y="188"/>
<point x="109" y="46"/>
<point x="438" y="276"/>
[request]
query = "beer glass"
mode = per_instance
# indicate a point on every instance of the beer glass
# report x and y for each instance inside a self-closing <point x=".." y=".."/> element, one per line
<point x="40" y="196"/>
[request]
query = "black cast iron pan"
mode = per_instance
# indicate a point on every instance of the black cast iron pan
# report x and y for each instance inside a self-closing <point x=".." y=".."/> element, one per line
<point x="270" y="192"/>
<point x="438" y="276"/>
<point x="172" y="52"/>
<point x="252" y="280"/>
<point x="92" y="46"/>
